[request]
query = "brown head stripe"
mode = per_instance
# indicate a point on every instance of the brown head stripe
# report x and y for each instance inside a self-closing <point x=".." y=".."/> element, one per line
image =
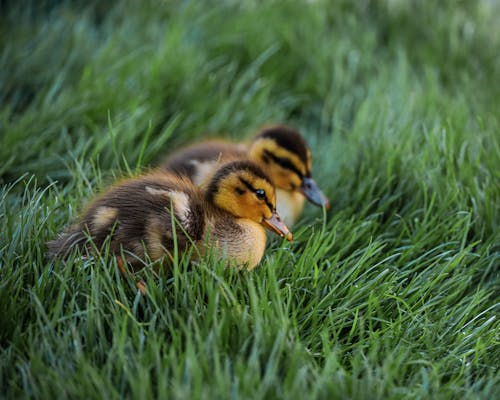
<point x="287" y="138"/>
<point x="285" y="163"/>
<point x="230" y="168"/>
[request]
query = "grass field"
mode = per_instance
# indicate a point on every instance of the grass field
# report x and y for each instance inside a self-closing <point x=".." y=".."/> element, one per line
<point x="394" y="293"/>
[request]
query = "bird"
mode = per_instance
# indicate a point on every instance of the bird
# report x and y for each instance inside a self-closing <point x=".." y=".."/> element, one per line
<point x="155" y="212"/>
<point x="279" y="150"/>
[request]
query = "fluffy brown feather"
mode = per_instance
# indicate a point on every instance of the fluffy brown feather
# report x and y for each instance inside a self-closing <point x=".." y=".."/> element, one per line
<point x="135" y="216"/>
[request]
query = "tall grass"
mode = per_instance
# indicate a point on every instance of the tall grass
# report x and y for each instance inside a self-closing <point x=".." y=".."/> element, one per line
<point x="394" y="293"/>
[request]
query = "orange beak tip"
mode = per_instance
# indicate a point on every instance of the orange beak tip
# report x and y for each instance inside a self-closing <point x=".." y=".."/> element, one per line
<point x="276" y="225"/>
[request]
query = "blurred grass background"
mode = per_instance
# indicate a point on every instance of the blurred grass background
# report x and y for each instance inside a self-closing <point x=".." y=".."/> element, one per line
<point x="393" y="295"/>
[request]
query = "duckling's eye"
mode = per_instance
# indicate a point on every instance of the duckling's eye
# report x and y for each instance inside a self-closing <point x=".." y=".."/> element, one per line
<point x="261" y="194"/>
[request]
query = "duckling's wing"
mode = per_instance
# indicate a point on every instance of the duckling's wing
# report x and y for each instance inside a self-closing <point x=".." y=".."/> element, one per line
<point x="152" y="214"/>
<point x="147" y="215"/>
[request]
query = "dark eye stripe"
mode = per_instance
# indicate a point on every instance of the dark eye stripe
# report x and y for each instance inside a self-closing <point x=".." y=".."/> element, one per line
<point x="247" y="184"/>
<point x="283" y="162"/>
<point x="250" y="187"/>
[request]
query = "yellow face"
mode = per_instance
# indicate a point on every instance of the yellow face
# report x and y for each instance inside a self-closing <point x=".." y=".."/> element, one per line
<point x="246" y="195"/>
<point x="284" y="168"/>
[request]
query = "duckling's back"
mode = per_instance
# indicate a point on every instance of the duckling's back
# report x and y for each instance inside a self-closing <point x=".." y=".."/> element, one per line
<point x="136" y="216"/>
<point x="200" y="161"/>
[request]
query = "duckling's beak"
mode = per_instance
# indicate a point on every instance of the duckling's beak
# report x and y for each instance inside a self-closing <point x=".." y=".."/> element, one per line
<point x="276" y="225"/>
<point x="313" y="193"/>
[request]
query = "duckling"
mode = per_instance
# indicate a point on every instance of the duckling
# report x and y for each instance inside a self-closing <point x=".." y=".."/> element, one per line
<point x="136" y="217"/>
<point x="279" y="150"/>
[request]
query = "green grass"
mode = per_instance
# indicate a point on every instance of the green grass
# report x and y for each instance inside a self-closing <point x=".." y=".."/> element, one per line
<point x="393" y="294"/>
